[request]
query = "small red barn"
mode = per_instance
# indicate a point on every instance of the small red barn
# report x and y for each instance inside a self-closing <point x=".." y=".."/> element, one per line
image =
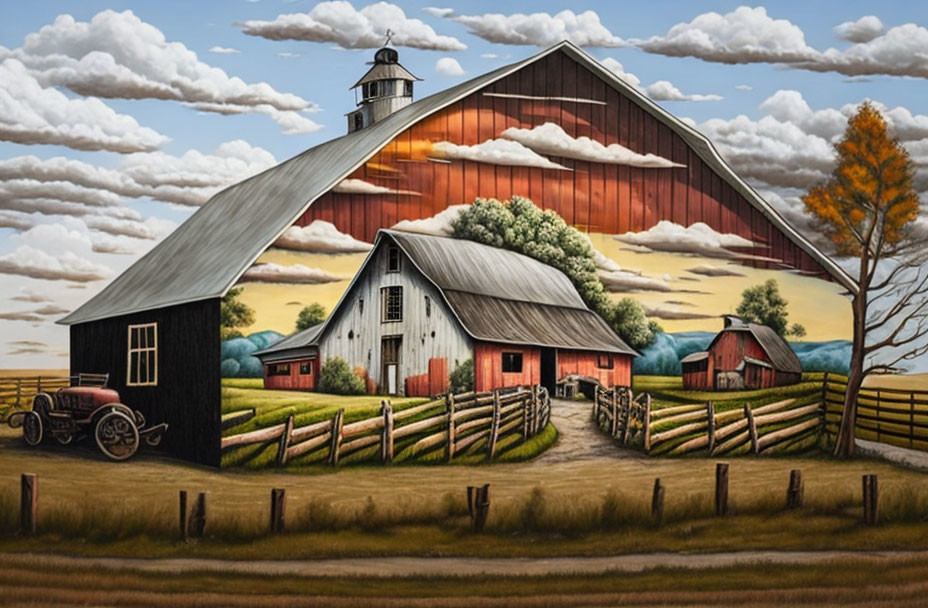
<point x="294" y="364"/>
<point x="742" y="355"/>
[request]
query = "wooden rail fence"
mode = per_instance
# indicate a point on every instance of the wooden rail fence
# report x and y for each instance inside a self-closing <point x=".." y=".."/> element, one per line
<point x="18" y="393"/>
<point x="461" y="423"/>
<point x="684" y="429"/>
<point x="894" y="416"/>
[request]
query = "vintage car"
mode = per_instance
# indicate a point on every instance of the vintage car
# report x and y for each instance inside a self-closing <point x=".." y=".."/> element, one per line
<point x="87" y="407"/>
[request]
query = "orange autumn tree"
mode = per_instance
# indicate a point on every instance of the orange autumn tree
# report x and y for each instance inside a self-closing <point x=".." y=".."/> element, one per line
<point x="868" y="210"/>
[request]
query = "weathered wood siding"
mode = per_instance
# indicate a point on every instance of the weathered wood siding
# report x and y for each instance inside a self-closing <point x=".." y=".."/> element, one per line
<point x="729" y="350"/>
<point x="587" y="364"/>
<point x="294" y="380"/>
<point x="187" y="395"/>
<point x="356" y="336"/>
<point x="592" y="196"/>
<point x="488" y="366"/>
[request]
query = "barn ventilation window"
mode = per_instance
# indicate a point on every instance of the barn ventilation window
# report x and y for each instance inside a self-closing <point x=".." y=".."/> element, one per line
<point x="512" y="363"/>
<point x="306" y="368"/>
<point x="142" y="360"/>
<point x="278" y="369"/>
<point x="605" y="361"/>
<point x="393" y="259"/>
<point x="392" y="304"/>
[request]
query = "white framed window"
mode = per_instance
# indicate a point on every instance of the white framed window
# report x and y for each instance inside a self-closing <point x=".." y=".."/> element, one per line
<point x="142" y="359"/>
<point x="392" y="307"/>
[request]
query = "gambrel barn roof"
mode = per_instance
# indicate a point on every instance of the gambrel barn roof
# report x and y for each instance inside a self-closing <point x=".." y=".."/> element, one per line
<point x="496" y="295"/>
<point x="209" y="252"/>
<point x="782" y="357"/>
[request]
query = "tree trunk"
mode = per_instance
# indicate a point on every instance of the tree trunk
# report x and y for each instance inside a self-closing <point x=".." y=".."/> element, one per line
<point x="844" y="446"/>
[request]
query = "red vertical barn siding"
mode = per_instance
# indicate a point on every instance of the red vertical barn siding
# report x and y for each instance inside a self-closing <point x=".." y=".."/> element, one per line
<point x="594" y="196"/>
<point x="438" y="376"/>
<point x="295" y="380"/>
<point x="488" y="366"/>
<point x="586" y="363"/>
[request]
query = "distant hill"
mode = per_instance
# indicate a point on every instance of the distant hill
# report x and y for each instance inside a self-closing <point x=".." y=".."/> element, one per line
<point x="663" y="357"/>
<point x="235" y="355"/>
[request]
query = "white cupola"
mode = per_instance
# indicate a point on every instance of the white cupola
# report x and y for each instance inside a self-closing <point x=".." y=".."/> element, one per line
<point x="385" y="88"/>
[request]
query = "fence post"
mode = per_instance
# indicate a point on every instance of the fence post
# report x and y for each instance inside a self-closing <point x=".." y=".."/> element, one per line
<point x="710" y="430"/>
<point x="911" y="419"/>
<point x="284" y="442"/>
<point x="794" y="490"/>
<point x="386" y="440"/>
<point x="278" y="505"/>
<point x="197" y="524"/>
<point x="494" y="426"/>
<point x="478" y="505"/>
<point x="647" y="423"/>
<point x="657" y="502"/>
<point x="752" y="429"/>
<point x="878" y="416"/>
<point x="29" y="503"/>
<point x="825" y="389"/>
<point x="449" y="407"/>
<point x="626" y="417"/>
<point x="336" y="443"/>
<point x="19" y="392"/>
<point x="38" y="385"/>
<point x="721" y="489"/>
<point x="870" y="499"/>
<point x="615" y="413"/>
<point x="183" y="514"/>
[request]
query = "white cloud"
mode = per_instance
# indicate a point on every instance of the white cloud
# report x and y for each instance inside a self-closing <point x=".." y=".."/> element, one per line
<point x="287" y="55"/>
<point x="436" y="11"/>
<point x="224" y="50"/>
<point x="448" y="66"/>
<point x="552" y="140"/>
<point x="698" y="239"/>
<point x="497" y="152"/>
<point x="30" y="295"/>
<point x="439" y="224"/>
<point x="488" y="56"/>
<point x="744" y="87"/>
<point x="33" y="114"/>
<point x="864" y="29"/>
<point x="624" y="281"/>
<point x="663" y="90"/>
<point x="34" y="263"/>
<point x="290" y="122"/>
<point x="15" y="220"/>
<point x="672" y="313"/>
<point x="540" y="29"/>
<point x="745" y="35"/>
<point x="898" y="52"/>
<point x="297" y="274"/>
<point x="340" y="23"/>
<point x="359" y="186"/>
<point x="616" y="67"/>
<point x="320" y="237"/>
<point x="709" y="270"/>
<point x="120" y="56"/>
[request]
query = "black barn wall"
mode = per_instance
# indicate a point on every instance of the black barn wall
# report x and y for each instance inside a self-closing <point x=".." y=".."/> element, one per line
<point x="188" y="394"/>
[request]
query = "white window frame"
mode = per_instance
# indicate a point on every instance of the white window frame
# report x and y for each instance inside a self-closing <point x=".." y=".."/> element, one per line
<point x="152" y="350"/>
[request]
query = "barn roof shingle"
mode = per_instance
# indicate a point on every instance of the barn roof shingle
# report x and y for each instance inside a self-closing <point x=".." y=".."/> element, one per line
<point x="210" y="251"/>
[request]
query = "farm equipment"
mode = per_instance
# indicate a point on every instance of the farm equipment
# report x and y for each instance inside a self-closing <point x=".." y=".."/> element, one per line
<point x="89" y="407"/>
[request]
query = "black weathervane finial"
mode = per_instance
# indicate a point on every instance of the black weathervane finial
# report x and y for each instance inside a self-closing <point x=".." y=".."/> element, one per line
<point x="389" y="34"/>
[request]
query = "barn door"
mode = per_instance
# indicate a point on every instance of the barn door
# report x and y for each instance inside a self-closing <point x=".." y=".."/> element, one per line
<point x="390" y="356"/>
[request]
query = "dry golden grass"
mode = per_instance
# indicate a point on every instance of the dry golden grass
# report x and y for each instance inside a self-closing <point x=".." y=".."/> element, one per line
<point x="903" y="382"/>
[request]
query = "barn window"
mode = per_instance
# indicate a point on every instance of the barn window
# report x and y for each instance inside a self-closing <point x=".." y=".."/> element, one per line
<point x="605" y="361"/>
<point x="393" y="259"/>
<point x="358" y="121"/>
<point x="306" y="368"/>
<point x="428" y="306"/>
<point x="361" y="306"/>
<point x="392" y="303"/>
<point x="512" y="363"/>
<point x="142" y="360"/>
<point x="278" y="369"/>
<point x="408" y="88"/>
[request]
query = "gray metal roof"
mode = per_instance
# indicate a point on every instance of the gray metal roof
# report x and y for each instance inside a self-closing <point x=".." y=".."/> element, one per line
<point x="208" y="253"/>
<point x="385" y="71"/>
<point x="781" y="354"/>
<point x="694" y="357"/>
<point x="297" y="340"/>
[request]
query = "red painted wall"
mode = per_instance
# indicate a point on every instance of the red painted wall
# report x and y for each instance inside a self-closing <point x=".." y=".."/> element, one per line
<point x="587" y="364"/>
<point x="295" y="380"/>
<point x="731" y="347"/>
<point x="488" y="366"/>
<point x="592" y="196"/>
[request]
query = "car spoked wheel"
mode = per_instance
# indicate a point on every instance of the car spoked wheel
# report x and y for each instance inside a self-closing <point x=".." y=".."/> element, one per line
<point x="63" y="438"/>
<point x="32" y="428"/>
<point x="117" y="436"/>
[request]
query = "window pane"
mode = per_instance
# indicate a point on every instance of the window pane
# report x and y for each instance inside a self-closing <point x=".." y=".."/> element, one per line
<point x="133" y="367"/>
<point x="512" y="363"/>
<point x="151" y="335"/>
<point x="151" y="366"/>
<point x="133" y="337"/>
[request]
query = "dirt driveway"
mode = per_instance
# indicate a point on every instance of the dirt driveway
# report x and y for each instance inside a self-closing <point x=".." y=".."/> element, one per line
<point x="578" y="438"/>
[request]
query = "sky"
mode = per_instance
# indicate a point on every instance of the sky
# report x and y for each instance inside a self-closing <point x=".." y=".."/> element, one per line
<point x="118" y="119"/>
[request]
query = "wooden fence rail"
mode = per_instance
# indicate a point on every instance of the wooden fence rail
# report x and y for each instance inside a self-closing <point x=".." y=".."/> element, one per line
<point x="894" y="416"/>
<point x="460" y="423"/>
<point x="18" y="393"/>
<point x="684" y="429"/>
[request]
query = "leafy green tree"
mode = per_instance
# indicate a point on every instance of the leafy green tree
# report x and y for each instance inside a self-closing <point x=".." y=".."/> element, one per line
<point x="763" y="304"/>
<point x="336" y="377"/>
<point x="797" y="331"/>
<point x="314" y="314"/>
<point x="462" y="377"/>
<point x="233" y="313"/>
<point x="519" y="225"/>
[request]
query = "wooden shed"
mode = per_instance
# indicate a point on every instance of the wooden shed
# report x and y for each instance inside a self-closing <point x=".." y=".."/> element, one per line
<point x="742" y="356"/>
<point x="422" y="304"/>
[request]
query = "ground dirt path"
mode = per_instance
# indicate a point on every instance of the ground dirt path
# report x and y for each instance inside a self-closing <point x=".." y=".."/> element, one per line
<point x="578" y="438"/>
<point x="390" y="567"/>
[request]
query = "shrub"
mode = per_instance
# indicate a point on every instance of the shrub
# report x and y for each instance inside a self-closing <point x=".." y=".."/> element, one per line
<point x="462" y="377"/>
<point x="312" y="315"/>
<point x="337" y="378"/>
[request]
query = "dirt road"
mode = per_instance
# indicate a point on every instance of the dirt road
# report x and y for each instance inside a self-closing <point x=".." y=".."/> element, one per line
<point x="578" y="438"/>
